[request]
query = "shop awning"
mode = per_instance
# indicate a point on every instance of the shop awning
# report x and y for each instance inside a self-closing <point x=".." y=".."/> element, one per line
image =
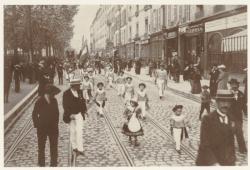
<point x="235" y="42"/>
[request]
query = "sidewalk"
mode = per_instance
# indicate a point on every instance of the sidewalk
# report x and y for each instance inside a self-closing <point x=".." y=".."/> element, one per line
<point x="15" y="98"/>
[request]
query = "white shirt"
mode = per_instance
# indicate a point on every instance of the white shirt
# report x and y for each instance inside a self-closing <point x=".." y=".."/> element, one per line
<point x="222" y="115"/>
<point x="74" y="93"/>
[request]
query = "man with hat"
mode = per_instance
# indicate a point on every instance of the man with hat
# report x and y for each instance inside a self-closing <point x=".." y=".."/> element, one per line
<point x="237" y="113"/>
<point x="75" y="109"/>
<point x="161" y="78"/>
<point x="205" y="100"/>
<point x="222" y="78"/>
<point x="17" y="77"/>
<point x="217" y="134"/>
<point x="45" y="119"/>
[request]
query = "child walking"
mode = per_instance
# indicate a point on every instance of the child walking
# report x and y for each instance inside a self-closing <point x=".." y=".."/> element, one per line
<point x="142" y="99"/>
<point x="110" y="77"/>
<point x="120" y="81"/>
<point x="100" y="99"/>
<point x="129" y="90"/>
<point x="178" y="126"/>
<point x="205" y="100"/>
<point x="132" y="128"/>
<point x="87" y="88"/>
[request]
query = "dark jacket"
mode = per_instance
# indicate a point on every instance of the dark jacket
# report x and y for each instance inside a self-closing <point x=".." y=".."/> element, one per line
<point x="46" y="115"/>
<point x="216" y="142"/>
<point x="73" y="105"/>
<point x="238" y="107"/>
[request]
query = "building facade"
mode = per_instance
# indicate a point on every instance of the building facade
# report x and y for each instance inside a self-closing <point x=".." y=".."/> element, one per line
<point x="211" y="34"/>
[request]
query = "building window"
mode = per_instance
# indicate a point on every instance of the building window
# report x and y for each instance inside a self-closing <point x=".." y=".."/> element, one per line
<point x="199" y="11"/>
<point x="146" y="25"/>
<point x="130" y="32"/>
<point x="137" y="28"/>
<point x="219" y="8"/>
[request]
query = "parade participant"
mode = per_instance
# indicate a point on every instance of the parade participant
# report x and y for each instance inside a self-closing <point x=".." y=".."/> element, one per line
<point x="45" y="119"/>
<point x="60" y="74"/>
<point x="205" y="100"/>
<point x="71" y="74"/>
<point x="110" y="77"/>
<point x="75" y="110"/>
<point x="223" y="78"/>
<point x="120" y="81"/>
<point x="51" y="72"/>
<point x="132" y="127"/>
<point x="100" y="98"/>
<point x="213" y="80"/>
<point x="129" y="90"/>
<point x="237" y="113"/>
<point x="142" y="99"/>
<point x="196" y="78"/>
<point x="87" y="88"/>
<point x="178" y="126"/>
<point x="91" y="77"/>
<point x="217" y="134"/>
<point x="161" y="78"/>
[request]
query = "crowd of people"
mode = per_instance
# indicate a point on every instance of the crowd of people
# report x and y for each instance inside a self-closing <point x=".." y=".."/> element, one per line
<point x="218" y="127"/>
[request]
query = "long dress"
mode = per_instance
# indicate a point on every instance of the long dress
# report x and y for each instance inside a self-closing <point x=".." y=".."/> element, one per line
<point x="196" y="83"/>
<point x="128" y="113"/>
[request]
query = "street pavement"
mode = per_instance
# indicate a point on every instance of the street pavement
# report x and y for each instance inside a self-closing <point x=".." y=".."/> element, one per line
<point x="14" y="98"/>
<point x="100" y="148"/>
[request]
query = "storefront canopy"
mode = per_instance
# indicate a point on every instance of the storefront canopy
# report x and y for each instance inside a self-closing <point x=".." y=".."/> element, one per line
<point x="235" y="42"/>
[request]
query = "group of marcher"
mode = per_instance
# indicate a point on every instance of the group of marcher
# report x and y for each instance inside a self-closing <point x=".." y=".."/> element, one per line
<point x="217" y="128"/>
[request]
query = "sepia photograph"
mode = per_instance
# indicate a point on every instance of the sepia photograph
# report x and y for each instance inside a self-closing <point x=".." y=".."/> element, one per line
<point x="125" y="85"/>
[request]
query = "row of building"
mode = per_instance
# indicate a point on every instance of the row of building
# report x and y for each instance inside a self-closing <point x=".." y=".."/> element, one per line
<point x="213" y="34"/>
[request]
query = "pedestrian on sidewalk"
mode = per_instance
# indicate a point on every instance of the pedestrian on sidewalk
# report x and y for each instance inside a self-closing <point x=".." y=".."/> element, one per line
<point x="142" y="99"/>
<point x="87" y="88"/>
<point x="60" y="74"/>
<point x="45" y="118"/>
<point x="223" y="78"/>
<point x="178" y="126"/>
<point x="214" y="74"/>
<point x="75" y="110"/>
<point x="237" y="113"/>
<point x="121" y="81"/>
<point x="17" y="77"/>
<point x="43" y="79"/>
<point x="132" y="127"/>
<point x="161" y="80"/>
<point x="205" y="101"/>
<point x="217" y="134"/>
<point x="91" y="77"/>
<point x="129" y="90"/>
<point x="100" y="99"/>
<point x="196" y="81"/>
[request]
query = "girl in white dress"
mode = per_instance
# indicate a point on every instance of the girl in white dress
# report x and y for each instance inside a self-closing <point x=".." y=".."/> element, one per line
<point x="142" y="99"/>
<point x="120" y="81"/>
<point x="87" y="88"/>
<point x="100" y="98"/>
<point x="129" y="91"/>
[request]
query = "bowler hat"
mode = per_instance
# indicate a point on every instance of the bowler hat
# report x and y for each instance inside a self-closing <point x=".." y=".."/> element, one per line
<point x="234" y="81"/>
<point x="142" y="84"/>
<point x="221" y="66"/>
<point x="224" y="95"/>
<point x="51" y="89"/>
<point x="177" y="107"/>
<point x="100" y="84"/>
<point x="205" y="87"/>
<point x="75" y="82"/>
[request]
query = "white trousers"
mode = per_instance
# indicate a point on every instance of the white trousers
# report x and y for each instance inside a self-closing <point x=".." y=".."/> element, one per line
<point x="120" y="89"/>
<point x="142" y="105"/>
<point x="75" y="127"/>
<point x="85" y="94"/>
<point x="177" y="137"/>
<point x="160" y="84"/>
<point x="100" y="108"/>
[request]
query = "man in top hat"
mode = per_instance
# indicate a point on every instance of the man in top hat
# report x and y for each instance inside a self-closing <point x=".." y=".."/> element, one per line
<point x="75" y="109"/>
<point x="17" y="77"/>
<point x="205" y="100"/>
<point x="222" y="78"/>
<point x="45" y="119"/>
<point x="161" y="78"/>
<point x="217" y="134"/>
<point x="237" y="113"/>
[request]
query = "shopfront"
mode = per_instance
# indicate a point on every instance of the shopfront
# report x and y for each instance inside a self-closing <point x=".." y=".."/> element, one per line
<point x="145" y="49"/>
<point x="171" y="43"/>
<point x="130" y="49"/>
<point x="226" y="42"/>
<point x="156" y="46"/>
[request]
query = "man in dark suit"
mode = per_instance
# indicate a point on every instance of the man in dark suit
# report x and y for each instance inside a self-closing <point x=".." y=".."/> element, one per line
<point x="214" y="74"/>
<point x="75" y="109"/>
<point x="217" y="134"/>
<point x="17" y="77"/>
<point x="237" y="113"/>
<point x="45" y="119"/>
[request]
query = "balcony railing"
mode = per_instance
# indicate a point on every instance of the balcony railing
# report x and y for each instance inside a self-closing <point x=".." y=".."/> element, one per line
<point x="218" y="8"/>
<point x="199" y="14"/>
<point x="147" y="7"/>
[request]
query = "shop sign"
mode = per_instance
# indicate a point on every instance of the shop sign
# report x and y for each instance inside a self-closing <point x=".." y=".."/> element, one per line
<point x="171" y="34"/>
<point x="195" y="29"/>
<point x="225" y="23"/>
<point x="145" y="41"/>
<point x="182" y="29"/>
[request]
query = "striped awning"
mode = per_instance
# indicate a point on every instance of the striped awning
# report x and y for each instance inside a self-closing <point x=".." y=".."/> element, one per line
<point x="235" y="42"/>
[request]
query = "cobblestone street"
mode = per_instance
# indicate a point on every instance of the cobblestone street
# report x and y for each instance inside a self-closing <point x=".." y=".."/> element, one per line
<point x="100" y="147"/>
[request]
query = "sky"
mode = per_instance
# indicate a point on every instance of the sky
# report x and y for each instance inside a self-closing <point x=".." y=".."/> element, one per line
<point x="82" y="22"/>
